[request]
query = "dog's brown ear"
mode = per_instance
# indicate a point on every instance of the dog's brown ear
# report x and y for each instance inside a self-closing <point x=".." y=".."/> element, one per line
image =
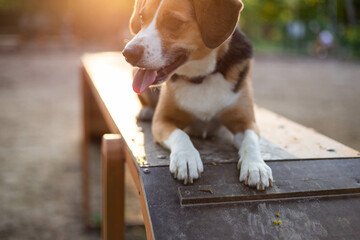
<point x="217" y="19"/>
<point x="135" y="24"/>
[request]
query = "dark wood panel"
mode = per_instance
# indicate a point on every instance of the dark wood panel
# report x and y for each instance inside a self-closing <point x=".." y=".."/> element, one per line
<point x="333" y="217"/>
<point x="323" y="178"/>
<point x="208" y="194"/>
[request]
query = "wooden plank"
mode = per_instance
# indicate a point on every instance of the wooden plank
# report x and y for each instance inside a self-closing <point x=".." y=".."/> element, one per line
<point x="298" y="189"/>
<point x="333" y="217"/>
<point x="298" y="140"/>
<point x="89" y="82"/>
<point x="337" y="177"/>
<point x="111" y="78"/>
<point x="106" y="93"/>
<point x="113" y="187"/>
<point x="85" y="187"/>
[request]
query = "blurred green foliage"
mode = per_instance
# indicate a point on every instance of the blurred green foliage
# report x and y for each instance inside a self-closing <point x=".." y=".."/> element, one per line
<point x="269" y="23"/>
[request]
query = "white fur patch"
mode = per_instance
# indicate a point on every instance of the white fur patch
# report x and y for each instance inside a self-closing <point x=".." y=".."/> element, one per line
<point x="254" y="171"/>
<point x="149" y="38"/>
<point x="199" y="67"/>
<point x="207" y="99"/>
<point x="185" y="161"/>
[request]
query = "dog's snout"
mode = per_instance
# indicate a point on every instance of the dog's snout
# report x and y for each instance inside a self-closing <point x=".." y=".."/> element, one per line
<point x="133" y="54"/>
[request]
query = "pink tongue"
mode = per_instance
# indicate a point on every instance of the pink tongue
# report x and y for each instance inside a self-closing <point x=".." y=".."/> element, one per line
<point x="143" y="79"/>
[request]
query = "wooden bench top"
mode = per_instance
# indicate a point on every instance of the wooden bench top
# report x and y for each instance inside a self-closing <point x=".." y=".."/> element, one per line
<point x="111" y="77"/>
<point x="302" y="187"/>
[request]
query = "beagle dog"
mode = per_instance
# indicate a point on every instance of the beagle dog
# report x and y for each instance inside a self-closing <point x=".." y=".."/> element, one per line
<point x="203" y="62"/>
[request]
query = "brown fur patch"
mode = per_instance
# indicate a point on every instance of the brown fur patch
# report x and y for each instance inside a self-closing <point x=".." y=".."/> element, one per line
<point x="241" y="116"/>
<point x="238" y="73"/>
<point x="217" y="19"/>
<point x="185" y="33"/>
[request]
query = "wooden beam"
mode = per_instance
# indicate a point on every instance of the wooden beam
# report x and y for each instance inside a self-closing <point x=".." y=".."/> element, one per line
<point x="113" y="184"/>
<point x="85" y="187"/>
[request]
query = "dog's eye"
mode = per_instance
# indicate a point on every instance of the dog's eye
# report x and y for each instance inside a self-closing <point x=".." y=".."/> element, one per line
<point x="173" y="23"/>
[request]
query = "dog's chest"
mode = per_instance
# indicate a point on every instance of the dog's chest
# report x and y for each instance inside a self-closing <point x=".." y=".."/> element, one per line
<point x="207" y="99"/>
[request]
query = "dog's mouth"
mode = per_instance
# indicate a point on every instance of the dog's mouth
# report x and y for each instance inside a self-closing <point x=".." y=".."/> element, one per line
<point x="144" y="78"/>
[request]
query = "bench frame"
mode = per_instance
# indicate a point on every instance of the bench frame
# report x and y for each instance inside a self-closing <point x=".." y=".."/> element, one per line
<point x="298" y="140"/>
<point x="114" y="155"/>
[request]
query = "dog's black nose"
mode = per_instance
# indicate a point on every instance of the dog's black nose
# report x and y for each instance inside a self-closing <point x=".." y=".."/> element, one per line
<point x="133" y="54"/>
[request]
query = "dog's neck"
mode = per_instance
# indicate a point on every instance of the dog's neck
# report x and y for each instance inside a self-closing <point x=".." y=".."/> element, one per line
<point x="196" y="80"/>
<point x="195" y="71"/>
<point x="201" y="67"/>
<point x="218" y="60"/>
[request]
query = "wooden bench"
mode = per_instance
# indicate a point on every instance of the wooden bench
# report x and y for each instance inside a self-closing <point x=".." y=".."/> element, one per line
<point x="316" y="193"/>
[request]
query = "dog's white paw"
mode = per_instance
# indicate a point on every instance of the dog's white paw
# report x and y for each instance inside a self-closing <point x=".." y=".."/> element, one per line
<point x="255" y="172"/>
<point x="145" y="114"/>
<point x="186" y="165"/>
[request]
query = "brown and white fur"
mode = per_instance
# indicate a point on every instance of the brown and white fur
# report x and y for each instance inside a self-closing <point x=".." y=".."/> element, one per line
<point x="202" y="36"/>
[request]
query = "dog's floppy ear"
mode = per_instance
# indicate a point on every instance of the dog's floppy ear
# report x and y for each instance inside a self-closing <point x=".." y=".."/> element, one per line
<point x="217" y="19"/>
<point x="135" y="23"/>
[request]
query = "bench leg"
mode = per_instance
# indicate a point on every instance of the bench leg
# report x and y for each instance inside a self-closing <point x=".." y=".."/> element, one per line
<point x="85" y="187"/>
<point x="113" y="184"/>
<point x="93" y="127"/>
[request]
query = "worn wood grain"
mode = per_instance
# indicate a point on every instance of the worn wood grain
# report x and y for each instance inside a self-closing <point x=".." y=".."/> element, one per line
<point x="321" y="178"/>
<point x="332" y="217"/>
<point x="298" y="140"/>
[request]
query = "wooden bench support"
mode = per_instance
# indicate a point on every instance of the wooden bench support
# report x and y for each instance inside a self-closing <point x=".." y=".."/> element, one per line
<point x="93" y="127"/>
<point x="113" y="184"/>
<point x="85" y="186"/>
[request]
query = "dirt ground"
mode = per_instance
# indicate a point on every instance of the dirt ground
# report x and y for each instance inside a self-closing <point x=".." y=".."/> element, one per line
<point x="321" y="94"/>
<point x="40" y="131"/>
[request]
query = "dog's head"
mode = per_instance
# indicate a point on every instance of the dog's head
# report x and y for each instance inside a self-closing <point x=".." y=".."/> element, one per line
<point x="171" y="32"/>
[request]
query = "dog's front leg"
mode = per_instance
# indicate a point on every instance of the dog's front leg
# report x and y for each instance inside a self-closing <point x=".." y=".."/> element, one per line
<point x="185" y="161"/>
<point x="253" y="170"/>
<point x="240" y="120"/>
